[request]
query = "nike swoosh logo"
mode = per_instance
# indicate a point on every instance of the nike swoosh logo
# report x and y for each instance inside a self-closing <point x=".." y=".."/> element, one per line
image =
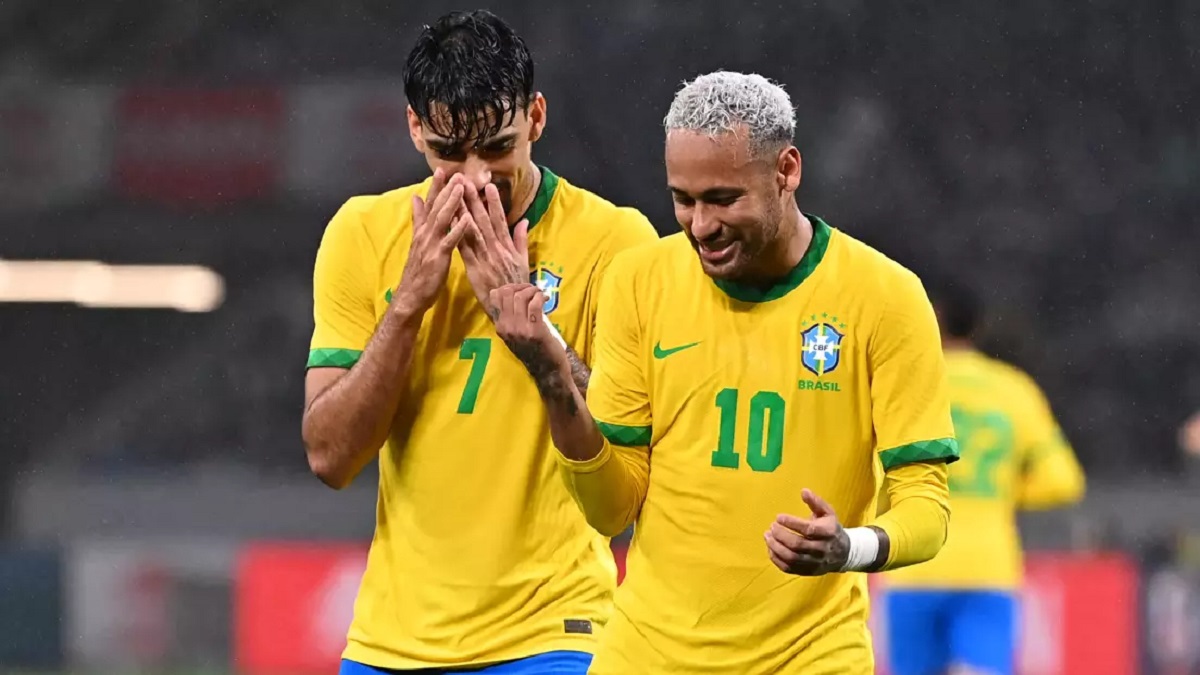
<point x="660" y="353"/>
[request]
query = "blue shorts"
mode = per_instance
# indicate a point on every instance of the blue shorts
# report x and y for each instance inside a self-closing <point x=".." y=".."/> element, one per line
<point x="928" y="631"/>
<point x="550" y="663"/>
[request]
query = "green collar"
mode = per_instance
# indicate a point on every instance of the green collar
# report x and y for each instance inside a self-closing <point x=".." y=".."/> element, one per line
<point x="803" y="269"/>
<point x="541" y="200"/>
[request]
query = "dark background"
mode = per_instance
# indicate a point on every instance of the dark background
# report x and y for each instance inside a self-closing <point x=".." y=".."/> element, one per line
<point x="1045" y="152"/>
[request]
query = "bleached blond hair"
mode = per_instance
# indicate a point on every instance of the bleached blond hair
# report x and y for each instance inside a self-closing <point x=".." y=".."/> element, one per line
<point x="725" y="102"/>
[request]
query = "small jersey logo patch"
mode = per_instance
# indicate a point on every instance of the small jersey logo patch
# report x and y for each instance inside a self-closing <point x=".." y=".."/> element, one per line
<point x="548" y="277"/>
<point x="577" y="626"/>
<point x="821" y="350"/>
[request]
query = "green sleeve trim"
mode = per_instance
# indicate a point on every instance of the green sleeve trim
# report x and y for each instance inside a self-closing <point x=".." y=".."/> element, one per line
<point x="619" y="434"/>
<point x="333" y="358"/>
<point x="921" y="451"/>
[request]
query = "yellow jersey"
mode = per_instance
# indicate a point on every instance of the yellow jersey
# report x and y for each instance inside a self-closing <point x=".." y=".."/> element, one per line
<point x="479" y="555"/>
<point x="1013" y="456"/>
<point x="743" y="397"/>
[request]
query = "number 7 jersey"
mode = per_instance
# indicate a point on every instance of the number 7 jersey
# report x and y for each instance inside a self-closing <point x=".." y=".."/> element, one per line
<point x="479" y="554"/>
<point x="744" y="397"/>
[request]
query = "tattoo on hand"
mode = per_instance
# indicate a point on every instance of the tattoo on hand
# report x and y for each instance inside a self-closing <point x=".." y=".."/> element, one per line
<point x="550" y="383"/>
<point x="839" y="549"/>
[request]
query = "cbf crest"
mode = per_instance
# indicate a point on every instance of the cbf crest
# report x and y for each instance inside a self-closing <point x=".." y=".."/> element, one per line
<point x="548" y="277"/>
<point x="822" y="345"/>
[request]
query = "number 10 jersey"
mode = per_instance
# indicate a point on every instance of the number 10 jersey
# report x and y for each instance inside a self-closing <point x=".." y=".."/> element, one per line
<point x="743" y="397"/>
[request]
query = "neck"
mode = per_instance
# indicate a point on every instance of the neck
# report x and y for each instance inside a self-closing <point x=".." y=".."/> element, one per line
<point x="795" y="236"/>
<point x="523" y="194"/>
<point x="954" y="344"/>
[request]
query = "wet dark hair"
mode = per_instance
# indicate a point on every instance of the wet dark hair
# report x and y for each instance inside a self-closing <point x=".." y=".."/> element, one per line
<point x="477" y="67"/>
<point x="957" y="305"/>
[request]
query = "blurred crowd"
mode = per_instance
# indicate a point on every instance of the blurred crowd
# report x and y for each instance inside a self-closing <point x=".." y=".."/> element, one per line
<point x="1047" y="154"/>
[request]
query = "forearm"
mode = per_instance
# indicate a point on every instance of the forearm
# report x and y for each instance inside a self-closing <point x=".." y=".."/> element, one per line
<point x="580" y="373"/>
<point x="608" y="484"/>
<point x="572" y="428"/>
<point x="346" y="424"/>
<point x="609" y="488"/>
<point x="916" y="525"/>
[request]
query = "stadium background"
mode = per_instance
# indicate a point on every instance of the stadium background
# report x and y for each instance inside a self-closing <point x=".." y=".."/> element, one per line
<point x="156" y="514"/>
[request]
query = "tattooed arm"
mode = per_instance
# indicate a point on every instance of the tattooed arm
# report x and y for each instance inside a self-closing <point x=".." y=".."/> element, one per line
<point x="580" y="373"/>
<point x="557" y="372"/>
<point x="608" y="483"/>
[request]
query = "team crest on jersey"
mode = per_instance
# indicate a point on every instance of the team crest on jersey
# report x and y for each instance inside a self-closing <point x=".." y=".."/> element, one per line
<point x="822" y="345"/>
<point x="548" y="277"/>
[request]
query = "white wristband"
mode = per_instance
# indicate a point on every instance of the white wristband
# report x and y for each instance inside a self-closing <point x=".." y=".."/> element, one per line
<point x="864" y="548"/>
<point x="554" y="331"/>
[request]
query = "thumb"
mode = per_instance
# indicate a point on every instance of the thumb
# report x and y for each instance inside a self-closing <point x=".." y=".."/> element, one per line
<point x="521" y="240"/>
<point x="819" y="506"/>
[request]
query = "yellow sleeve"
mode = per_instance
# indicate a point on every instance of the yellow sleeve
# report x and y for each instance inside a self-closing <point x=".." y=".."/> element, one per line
<point x="618" y="397"/>
<point x="910" y="397"/>
<point x="610" y="487"/>
<point x="343" y="311"/>
<point x="918" y="517"/>
<point x="629" y="231"/>
<point x="1050" y="474"/>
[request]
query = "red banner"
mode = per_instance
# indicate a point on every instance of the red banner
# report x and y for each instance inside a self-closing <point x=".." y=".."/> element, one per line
<point x="292" y="606"/>
<point x="294" y="603"/>
<point x="198" y="146"/>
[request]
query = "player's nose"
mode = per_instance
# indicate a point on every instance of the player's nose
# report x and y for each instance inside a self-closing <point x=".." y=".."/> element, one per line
<point x="704" y="223"/>
<point x="477" y="172"/>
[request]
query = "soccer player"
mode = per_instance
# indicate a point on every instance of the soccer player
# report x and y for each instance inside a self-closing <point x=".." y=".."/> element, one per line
<point x="760" y="371"/>
<point x="479" y="558"/>
<point x="958" y="612"/>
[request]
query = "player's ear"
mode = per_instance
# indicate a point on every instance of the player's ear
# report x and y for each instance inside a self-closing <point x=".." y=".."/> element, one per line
<point x="414" y="130"/>
<point x="789" y="169"/>
<point x="537" y="116"/>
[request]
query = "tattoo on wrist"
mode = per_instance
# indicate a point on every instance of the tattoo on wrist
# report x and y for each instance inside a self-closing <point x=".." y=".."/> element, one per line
<point x="885" y="548"/>
<point x="551" y="385"/>
<point x="579" y="370"/>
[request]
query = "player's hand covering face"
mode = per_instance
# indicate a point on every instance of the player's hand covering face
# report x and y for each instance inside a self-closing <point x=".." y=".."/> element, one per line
<point x="493" y="257"/>
<point x="808" y="546"/>
<point x="438" y="224"/>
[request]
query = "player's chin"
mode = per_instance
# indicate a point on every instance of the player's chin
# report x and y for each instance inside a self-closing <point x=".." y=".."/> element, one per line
<point x="726" y="268"/>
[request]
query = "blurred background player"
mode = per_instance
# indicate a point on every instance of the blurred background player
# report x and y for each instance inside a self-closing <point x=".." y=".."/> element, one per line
<point x="958" y="612"/>
<point x="479" y="556"/>
<point x="756" y="353"/>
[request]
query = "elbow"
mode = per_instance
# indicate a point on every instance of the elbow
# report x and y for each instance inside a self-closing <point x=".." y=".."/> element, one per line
<point x="322" y="463"/>
<point x="329" y="473"/>
<point x="610" y="527"/>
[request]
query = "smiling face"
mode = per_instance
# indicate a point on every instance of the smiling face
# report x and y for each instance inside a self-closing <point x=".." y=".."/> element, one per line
<point x="729" y="200"/>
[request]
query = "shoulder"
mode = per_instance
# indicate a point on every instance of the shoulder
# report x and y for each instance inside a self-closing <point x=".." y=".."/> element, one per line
<point x="878" y="274"/>
<point x="1014" y="378"/>
<point x="661" y="258"/>
<point x="613" y="224"/>
<point x="377" y="215"/>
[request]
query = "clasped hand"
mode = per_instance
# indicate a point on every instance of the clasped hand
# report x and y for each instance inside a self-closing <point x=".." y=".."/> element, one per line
<point x="808" y="546"/>
<point x="453" y="216"/>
